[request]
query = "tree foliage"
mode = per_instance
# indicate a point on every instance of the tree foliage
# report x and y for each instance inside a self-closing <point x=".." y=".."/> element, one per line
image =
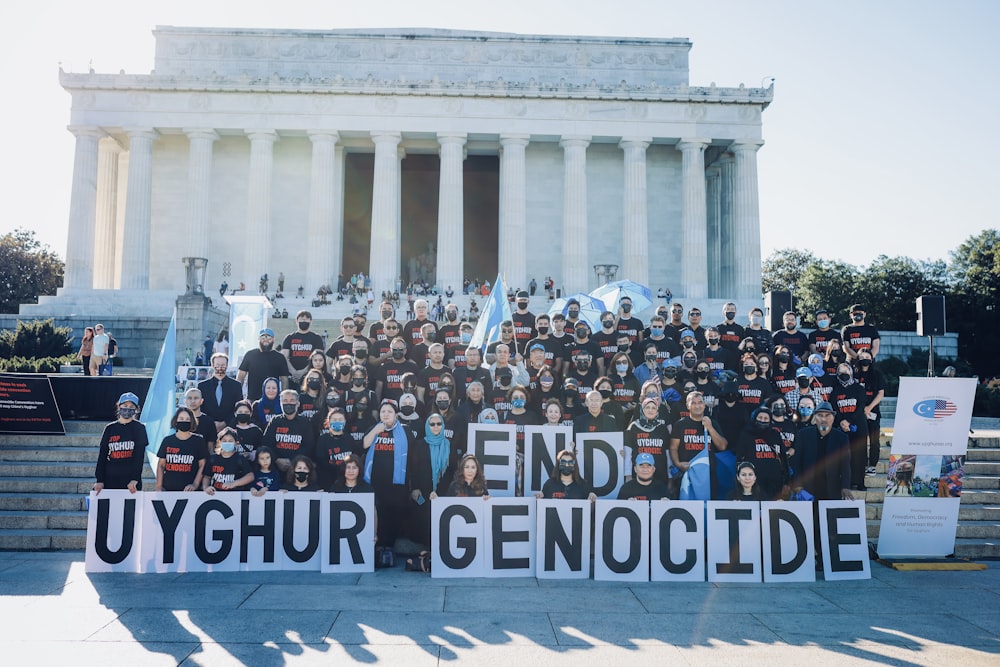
<point x="827" y="284"/>
<point x="783" y="269"/>
<point x="27" y="270"/>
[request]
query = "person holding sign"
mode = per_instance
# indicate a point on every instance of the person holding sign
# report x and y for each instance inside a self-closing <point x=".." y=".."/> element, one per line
<point x="468" y="481"/>
<point x="644" y="486"/>
<point x="123" y="449"/>
<point x="386" y="469"/>
<point x="226" y="471"/>
<point x="181" y="454"/>
<point x="566" y="481"/>
<point x="351" y="482"/>
<point x="301" y="475"/>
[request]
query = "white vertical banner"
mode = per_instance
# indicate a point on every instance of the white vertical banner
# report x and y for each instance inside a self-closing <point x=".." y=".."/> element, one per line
<point x="300" y="530"/>
<point x="621" y="540"/>
<point x="541" y="446"/>
<point x="733" y="530"/>
<point x="933" y="416"/>
<point x="788" y="539"/>
<point x="601" y="458"/>
<point x="495" y="445"/>
<point x="261" y="532"/>
<point x="348" y="532"/>
<point x="509" y="531"/>
<point x="843" y="534"/>
<point x="457" y="537"/>
<point x="562" y="540"/>
<point x="247" y="316"/>
<point x="114" y="521"/>
<point x="677" y="540"/>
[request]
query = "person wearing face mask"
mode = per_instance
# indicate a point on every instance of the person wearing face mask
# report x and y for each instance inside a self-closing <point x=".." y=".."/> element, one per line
<point x="431" y="374"/>
<point x="565" y="481"/>
<point x="122" y="451"/>
<point x="761" y="336"/>
<point x="650" y="368"/>
<point x="519" y="416"/>
<point x="873" y="381"/>
<point x="412" y="329"/>
<point x="386" y="312"/>
<point x="488" y="416"/>
<point x="730" y="332"/>
<point x="849" y="400"/>
<point x="628" y="324"/>
<point x="181" y="455"/>
<point x="858" y="335"/>
<point x="594" y="419"/>
<point x="262" y="363"/>
<point x="363" y="358"/>
<point x="220" y="392"/>
<point x="802" y="416"/>
<point x="456" y="356"/>
<point x="410" y="412"/>
<point x="823" y="455"/>
<point x="359" y="391"/>
<point x="821" y="336"/>
<point x="624" y="385"/>
<point x="380" y="345"/>
<point x="670" y="387"/>
<point x="689" y="360"/>
<point x="649" y="435"/>
<point x="301" y="476"/>
<point x="420" y="352"/>
<point x="361" y="419"/>
<point x="449" y="334"/>
<point x="606" y="339"/>
<point x="583" y="373"/>
<point x="473" y="371"/>
<point x="523" y="321"/>
<point x="546" y="387"/>
<point x="783" y="372"/>
<point x="824" y="380"/>
<point x="834" y="356"/>
<point x="389" y="385"/>
<point x="504" y="363"/>
<point x="805" y="386"/>
<point x="455" y="426"/>
<point x="753" y="389"/>
<point x="289" y="435"/>
<point x="790" y="337"/>
<point x="227" y="471"/>
<point x="706" y="385"/>
<point x="582" y="343"/>
<point x="781" y="419"/>
<point x="248" y="435"/>
<point x="760" y="443"/>
<point x="609" y="405"/>
<point x="730" y="413"/>
<point x="312" y="395"/>
<point x="571" y="402"/>
<point x="299" y="345"/>
<point x="572" y="313"/>
<point x="333" y="448"/>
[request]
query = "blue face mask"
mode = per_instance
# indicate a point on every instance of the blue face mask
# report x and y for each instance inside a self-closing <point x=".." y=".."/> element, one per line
<point x="806" y="411"/>
<point x="228" y="446"/>
<point x="817" y="369"/>
<point x="518" y="403"/>
<point x="337" y="427"/>
<point x="621" y="368"/>
<point x="822" y="324"/>
<point x="656" y="331"/>
<point x="489" y="420"/>
<point x="466" y="337"/>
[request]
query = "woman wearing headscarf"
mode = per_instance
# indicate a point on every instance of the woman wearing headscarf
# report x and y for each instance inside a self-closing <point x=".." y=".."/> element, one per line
<point x="268" y="406"/>
<point x="473" y="403"/>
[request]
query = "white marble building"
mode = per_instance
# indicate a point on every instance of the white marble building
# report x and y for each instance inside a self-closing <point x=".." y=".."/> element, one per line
<point x="235" y="148"/>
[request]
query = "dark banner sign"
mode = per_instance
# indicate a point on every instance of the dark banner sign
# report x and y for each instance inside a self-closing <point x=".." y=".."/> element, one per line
<point x="27" y="405"/>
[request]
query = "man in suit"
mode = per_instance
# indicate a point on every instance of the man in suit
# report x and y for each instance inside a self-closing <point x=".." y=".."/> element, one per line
<point x="221" y="392"/>
<point x="823" y="458"/>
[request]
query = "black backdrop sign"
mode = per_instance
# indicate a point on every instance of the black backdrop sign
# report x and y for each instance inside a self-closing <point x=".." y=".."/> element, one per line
<point x="27" y="405"/>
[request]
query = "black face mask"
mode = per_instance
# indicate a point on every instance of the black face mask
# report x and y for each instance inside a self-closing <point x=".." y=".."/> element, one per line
<point x="386" y="314"/>
<point x="581" y="333"/>
<point x="243" y="418"/>
<point x="857" y="317"/>
<point x="289" y="409"/>
<point x="844" y="377"/>
<point x="429" y="337"/>
<point x="452" y="315"/>
<point x="605" y="393"/>
<point x="865" y="363"/>
<point x="783" y="358"/>
<point x="730" y="315"/>
<point x="762" y="426"/>
<point x="360" y="408"/>
<point x="542" y="330"/>
<point x="573" y="314"/>
<point x="607" y="324"/>
<point x="408" y="410"/>
<point x="344" y="370"/>
<point x="626" y="307"/>
<point x="713" y="341"/>
<point x="304" y="326"/>
<point x="650" y="358"/>
<point x="398" y="354"/>
<point x="838" y="355"/>
<point x="688" y="344"/>
<point x="803" y="382"/>
<point x="184" y="427"/>
<point x="566" y="467"/>
<point x="361" y="354"/>
<point x="333" y="399"/>
<point x="689" y="362"/>
<point x="749" y="370"/>
<point x="730" y="397"/>
<point x="522" y="305"/>
<point x="583" y="365"/>
<point x="443" y="405"/>
<point x="623" y="348"/>
<point x="358" y="382"/>
<point x="670" y="372"/>
<point x="701" y="374"/>
<point x="301" y="475"/>
<point x="314" y="384"/>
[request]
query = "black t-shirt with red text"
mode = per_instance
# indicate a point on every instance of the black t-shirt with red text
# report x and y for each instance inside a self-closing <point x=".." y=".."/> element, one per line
<point x="288" y="438"/>
<point x="300" y="346"/>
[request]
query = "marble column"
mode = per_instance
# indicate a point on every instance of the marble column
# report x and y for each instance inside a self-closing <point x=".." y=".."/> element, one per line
<point x="513" y="231"/>
<point x="727" y="249"/>
<point x="383" y="265"/>
<point x="450" y="239"/>
<point x="635" y="234"/>
<point x="713" y="178"/>
<point x="257" y="248"/>
<point x="138" y="209"/>
<point x="575" y="255"/>
<point x="106" y="232"/>
<point x="79" y="273"/>
<point x="746" y="220"/>
<point x="199" y="192"/>
<point x="326" y="211"/>
<point x="694" y="256"/>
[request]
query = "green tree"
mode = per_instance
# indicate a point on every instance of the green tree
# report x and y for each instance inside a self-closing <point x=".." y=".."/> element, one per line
<point x="889" y="287"/>
<point x="828" y="284"/>
<point x="972" y="306"/>
<point x="27" y="269"/>
<point x="784" y="268"/>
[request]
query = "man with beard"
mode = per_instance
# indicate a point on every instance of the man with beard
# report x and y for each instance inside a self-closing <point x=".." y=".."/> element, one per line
<point x="796" y="341"/>
<point x="262" y="363"/>
<point x="298" y="346"/>
<point x="824" y="458"/>
<point x="645" y="485"/>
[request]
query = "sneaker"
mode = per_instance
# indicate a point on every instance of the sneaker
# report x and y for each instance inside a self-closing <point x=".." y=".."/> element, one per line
<point x="870" y="470"/>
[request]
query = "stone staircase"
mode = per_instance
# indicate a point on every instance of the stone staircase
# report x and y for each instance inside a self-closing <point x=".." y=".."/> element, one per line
<point x="44" y="482"/>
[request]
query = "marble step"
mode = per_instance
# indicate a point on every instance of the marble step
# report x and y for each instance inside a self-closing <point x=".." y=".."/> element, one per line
<point x="56" y="485"/>
<point x="90" y="440"/>
<point x="83" y="469"/>
<point x="49" y="454"/>
<point x="52" y="520"/>
<point x="42" y="540"/>
<point x="43" y="501"/>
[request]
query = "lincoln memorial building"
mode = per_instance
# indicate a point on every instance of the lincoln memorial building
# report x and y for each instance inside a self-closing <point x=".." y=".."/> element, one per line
<point x="412" y="153"/>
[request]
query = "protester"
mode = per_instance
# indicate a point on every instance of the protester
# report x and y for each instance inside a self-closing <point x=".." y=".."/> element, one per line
<point x="746" y="483"/>
<point x="566" y="482"/>
<point x="181" y="455"/>
<point x="227" y="471"/>
<point x="265" y="477"/>
<point x="645" y="485"/>
<point x="122" y="451"/>
<point x="301" y="475"/>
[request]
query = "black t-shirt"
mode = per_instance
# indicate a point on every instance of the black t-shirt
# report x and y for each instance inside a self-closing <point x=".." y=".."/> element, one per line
<point x="288" y="438"/>
<point x="428" y="378"/>
<point x="331" y="453"/>
<point x="553" y="349"/>
<point x="873" y="381"/>
<point x="392" y="377"/>
<point x="730" y="335"/>
<point x="122" y="454"/>
<point x="753" y="392"/>
<point x="180" y="460"/>
<point x="554" y="488"/>
<point x="524" y="329"/>
<point x="226" y="470"/>
<point x="450" y="335"/>
<point x="797" y="343"/>
<point x="631" y="327"/>
<point x="849" y="402"/>
<point x="341" y="347"/>
<point x="653" y="439"/>
<point x="248" y="440"/>
<point x="719" y="360"/>
<point x="655" y="490"/>
<point x="607" y="343"/>
<point x="260" y="365"/>
<point x="764" y="450"/>
<point x="411" y="331"/>
<point x="821" y="339"/>
<point x="691" y="435"/>
<point x="860" y="336"/>
<point x="300" y="347"/>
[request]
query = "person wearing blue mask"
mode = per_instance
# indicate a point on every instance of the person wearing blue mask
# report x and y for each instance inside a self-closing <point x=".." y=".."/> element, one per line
<point x="226" y="471"/>
<point x="333" y="448"/>
<point x="123" y="449"/>
<point x="806" y="385"/>
<point x="823" y="334"/>
<point x="519" y="416"/>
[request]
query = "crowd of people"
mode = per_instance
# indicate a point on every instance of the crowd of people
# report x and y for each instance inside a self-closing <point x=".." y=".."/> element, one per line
<point x="387" y="409"/>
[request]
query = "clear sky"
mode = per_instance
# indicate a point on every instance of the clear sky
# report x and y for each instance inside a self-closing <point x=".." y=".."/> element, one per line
<point x="880" y="139"/>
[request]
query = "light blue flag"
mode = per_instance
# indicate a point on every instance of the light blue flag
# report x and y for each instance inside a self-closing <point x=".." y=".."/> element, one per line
<point x="496" y="309"/>
<point x="161" y="400"/>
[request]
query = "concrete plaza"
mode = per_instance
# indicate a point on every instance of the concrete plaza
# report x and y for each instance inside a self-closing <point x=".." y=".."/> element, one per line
<point x="55" y="613"/>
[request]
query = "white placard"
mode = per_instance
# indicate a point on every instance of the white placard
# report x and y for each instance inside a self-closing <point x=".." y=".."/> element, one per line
<point x="788" y="539"/>
<point x="457" y="537"/>
<point x="114" y="523"/>
<point x="495" y="447"/>
<point x="677" y="540"/>
<point x="510" y="537"/>
<point x="918" y="527"/>
<point x="621" y="540"/>
<point x="348" y="532"/>
<point x="260" y="547"/>
<point x="541" y="446"/>
<point x="933" y="416"/>
<point x="733" y="529"/>
<point x="843" y="535"/>
<point x="562" y="541"/>
<point x="190" y="532"/>
<point x="601" y="461"/>
<point x="301" y="545"/>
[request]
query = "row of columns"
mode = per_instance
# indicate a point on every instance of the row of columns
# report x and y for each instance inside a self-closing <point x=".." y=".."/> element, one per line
<point x="720" y="226"/>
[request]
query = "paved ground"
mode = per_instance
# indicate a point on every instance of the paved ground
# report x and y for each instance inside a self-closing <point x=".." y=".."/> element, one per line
<point x="52" y="611"/>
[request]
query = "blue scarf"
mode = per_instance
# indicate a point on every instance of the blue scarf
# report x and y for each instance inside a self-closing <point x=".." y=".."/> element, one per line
<point x="266" y="403"/>
<point x="400" y="447"/>
<point x="440" y="449"/>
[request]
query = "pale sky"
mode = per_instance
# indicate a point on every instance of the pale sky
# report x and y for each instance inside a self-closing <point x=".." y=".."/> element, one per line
<point x="880" y="140"/>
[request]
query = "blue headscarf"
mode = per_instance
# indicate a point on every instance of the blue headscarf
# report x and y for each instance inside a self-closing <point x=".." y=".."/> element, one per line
<point x="440" y="449"/>
<point x="265" y="403"/>
<point x="401" y="445"/>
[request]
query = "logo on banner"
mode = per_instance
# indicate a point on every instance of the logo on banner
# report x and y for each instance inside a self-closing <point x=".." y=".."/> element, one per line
<point x="935" y="408"/>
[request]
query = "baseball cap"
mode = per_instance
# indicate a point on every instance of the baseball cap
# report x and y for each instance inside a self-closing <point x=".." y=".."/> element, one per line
<point x="522" y="294"/>
<point x="803" y="372"/>
<point x="128" y="396"/>
<point x="824" y="406"/>
<point x="265" y="332"/>
<point x="687" y="333"/>
<point x="536" y="346"/>
<point x="645" y="457"/>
